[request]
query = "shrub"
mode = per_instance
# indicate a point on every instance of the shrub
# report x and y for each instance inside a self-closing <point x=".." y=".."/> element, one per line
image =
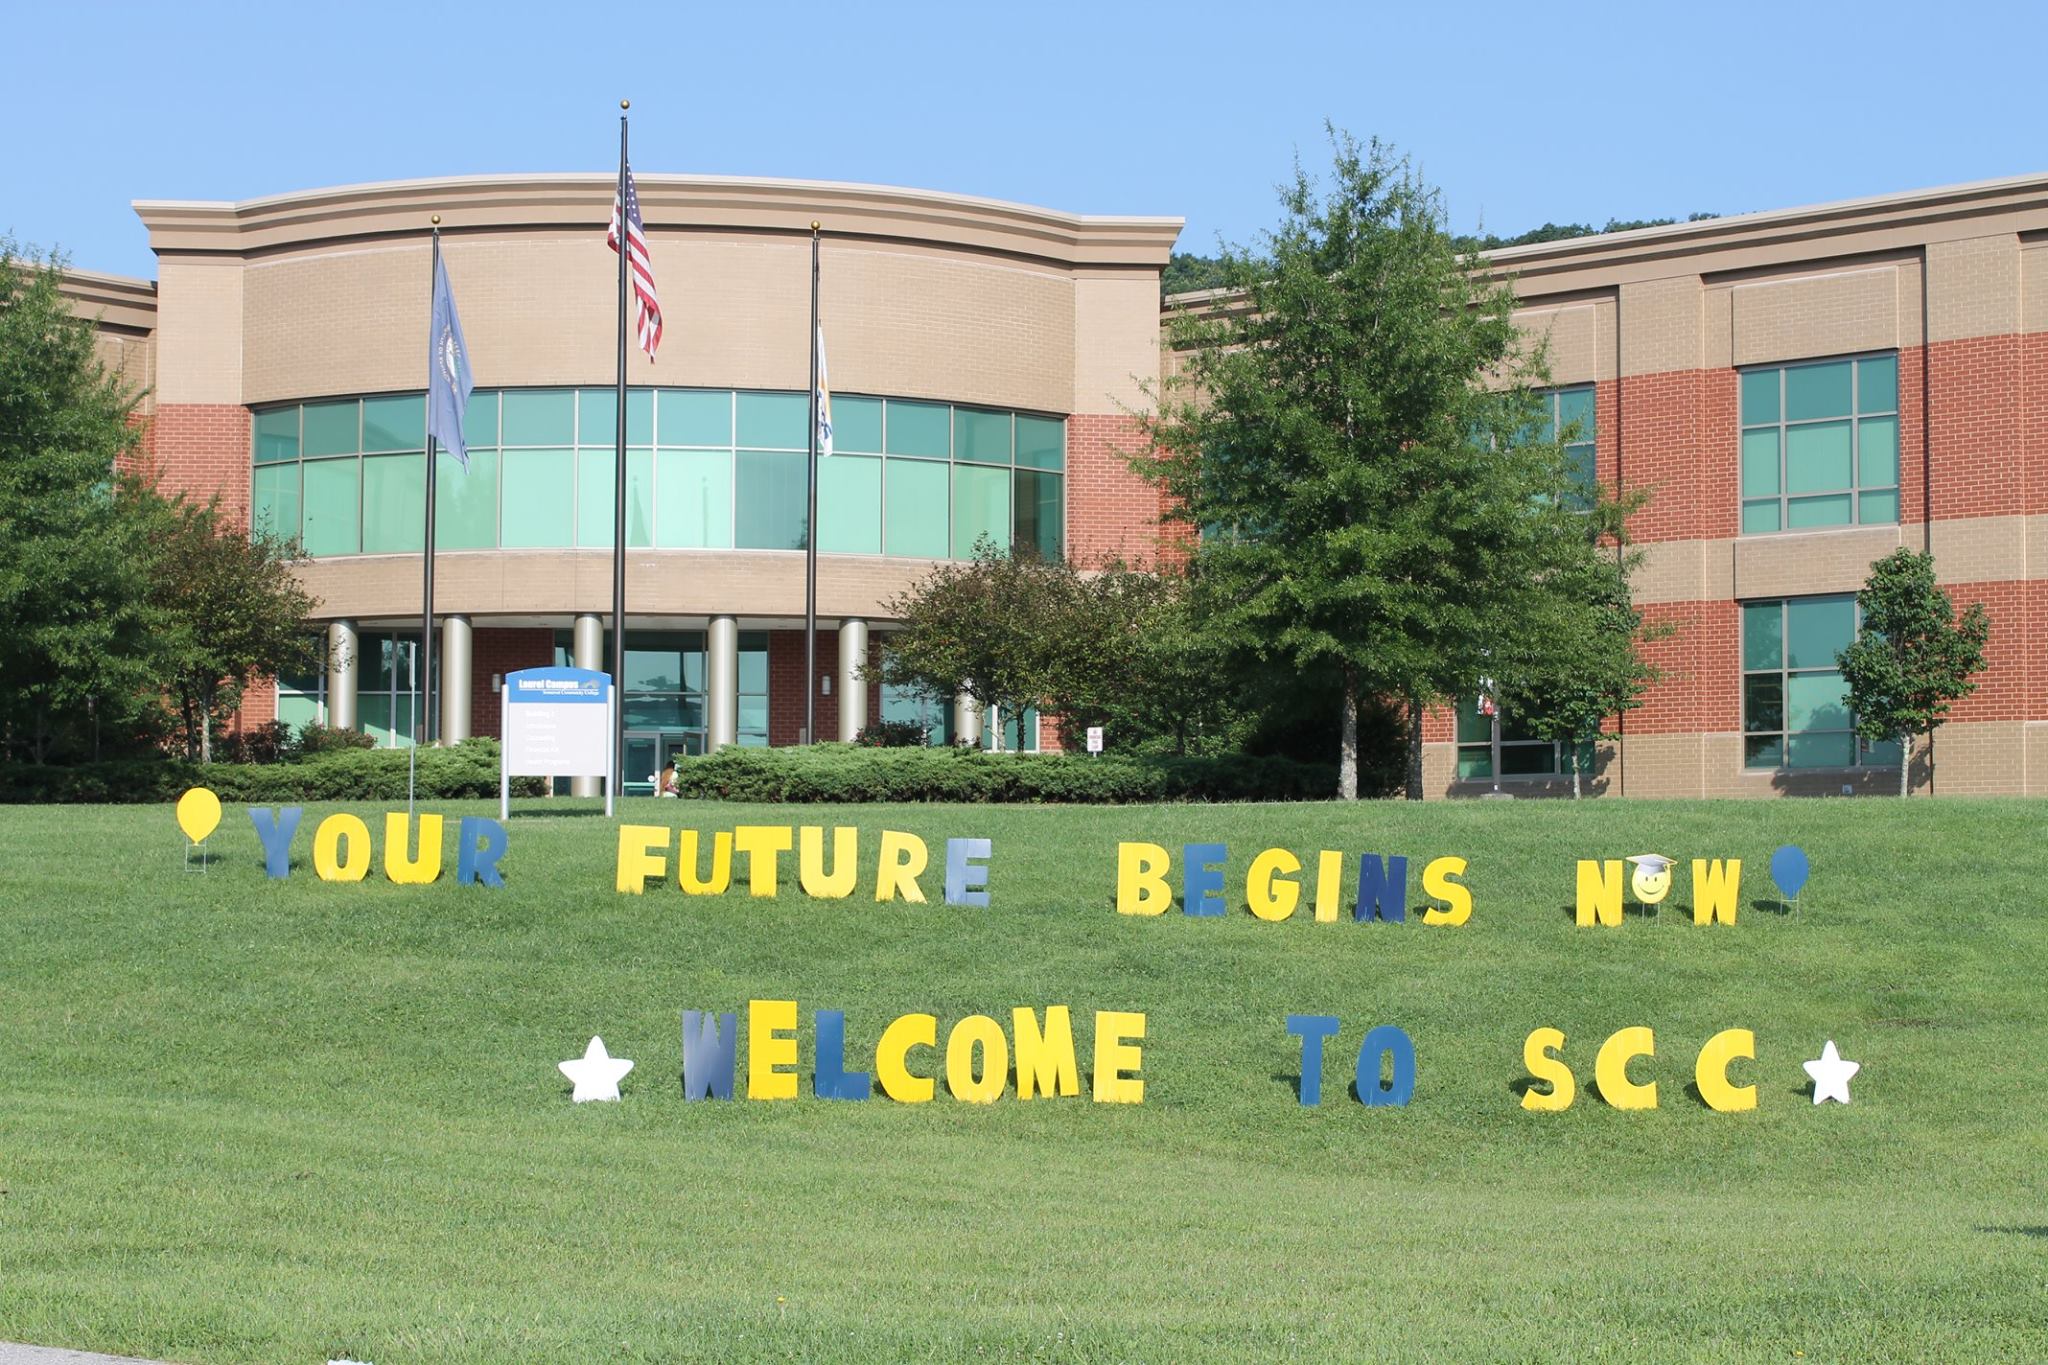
<point x="843" y="773"/>
<point x="315" y="738"/>
<point x="465" y="770"/>
<point x="892" y="734"/>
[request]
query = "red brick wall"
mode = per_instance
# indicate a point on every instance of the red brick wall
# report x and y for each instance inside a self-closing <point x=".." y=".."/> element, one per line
<point x="202" y="449"/>
<point x="786" y="685"/>
<point x="1977" y="436"/>
<point x="1111" y="511"/>
<point x="501" y="650"/>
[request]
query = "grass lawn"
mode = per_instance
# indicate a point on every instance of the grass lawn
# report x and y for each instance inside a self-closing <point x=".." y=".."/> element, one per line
<point x="243" y="1120"/>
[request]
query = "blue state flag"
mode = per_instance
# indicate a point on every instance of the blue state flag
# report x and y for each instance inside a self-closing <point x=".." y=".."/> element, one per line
<point x="449" y="380"/>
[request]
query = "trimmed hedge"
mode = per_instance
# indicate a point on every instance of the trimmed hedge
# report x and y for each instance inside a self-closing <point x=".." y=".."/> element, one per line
<point x="469" y="769"/>
<point x="845" y="773"/>
<point x="828" y="773"/>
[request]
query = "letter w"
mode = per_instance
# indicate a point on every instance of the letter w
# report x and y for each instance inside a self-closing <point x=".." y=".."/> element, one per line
<point x="708" y="1054"/>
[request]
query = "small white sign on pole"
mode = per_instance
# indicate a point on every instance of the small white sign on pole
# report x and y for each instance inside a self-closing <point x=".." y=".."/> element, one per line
<point x="558" y="723"/>
<point x="1095" y="739"/>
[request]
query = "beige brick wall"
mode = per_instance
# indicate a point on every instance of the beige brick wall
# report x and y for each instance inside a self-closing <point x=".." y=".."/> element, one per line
<point x="2034" y="286"/>
<point x="199" y="331"/>
<point x="754" y="583"/>
<point x="1573" y="332"/>
<point x="541" y="309"/>
<point x="1966" y="550"/>
<point x="1820" y="561"/>
<point x="1973" y="288"/>
<point x="1814" y="315"/>
<point x="1662" y="325"/>
<point x="1115" y="342"/>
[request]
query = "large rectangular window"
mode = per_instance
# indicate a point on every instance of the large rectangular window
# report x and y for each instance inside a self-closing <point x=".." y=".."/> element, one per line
<point x="1493" y="745"/>
<point x="1795" y="706"/>
<point x="1820" y="444"/>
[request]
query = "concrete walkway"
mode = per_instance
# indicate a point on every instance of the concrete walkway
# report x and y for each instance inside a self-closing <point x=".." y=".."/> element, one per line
<point x="13" y="1354"/>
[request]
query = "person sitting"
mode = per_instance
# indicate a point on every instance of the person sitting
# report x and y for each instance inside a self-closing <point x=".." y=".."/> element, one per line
<point x="665" y="780"/>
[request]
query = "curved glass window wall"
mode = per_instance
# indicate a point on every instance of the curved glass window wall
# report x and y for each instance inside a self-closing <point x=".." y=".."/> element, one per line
<point x="706" y="469"/>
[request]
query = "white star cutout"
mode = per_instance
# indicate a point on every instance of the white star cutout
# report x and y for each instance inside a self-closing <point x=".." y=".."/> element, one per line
<point x="596" y="1073"/>
<point x="1831" y="1074"/>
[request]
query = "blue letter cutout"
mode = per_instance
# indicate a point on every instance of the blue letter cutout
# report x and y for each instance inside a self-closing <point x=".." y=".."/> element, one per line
<point x="830" y="1080"/>
<point x="480" y="864"/>
<point x="1382" y="890"/>
<point x="1200" y="884"/>
<point x="1386" y="1040"/>
<point x="276" y="833"/>
<point x="963" y="876"/>
<point x="1313" y="1028"/>
<point x="708" y="1056"/>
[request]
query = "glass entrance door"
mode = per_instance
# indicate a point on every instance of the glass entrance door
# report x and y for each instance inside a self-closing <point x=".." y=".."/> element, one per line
<point x="648" y="750"/>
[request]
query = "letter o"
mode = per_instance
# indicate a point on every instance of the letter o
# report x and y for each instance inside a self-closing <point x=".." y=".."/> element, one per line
<point x="326" y="849"/>
<point x="961" y="1079"/>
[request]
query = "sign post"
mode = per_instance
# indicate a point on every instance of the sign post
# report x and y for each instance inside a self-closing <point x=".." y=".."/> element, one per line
<point x="558" y="723"/>
<point x="1095" y="739"/>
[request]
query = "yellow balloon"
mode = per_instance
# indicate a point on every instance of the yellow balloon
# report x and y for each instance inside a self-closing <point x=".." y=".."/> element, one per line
<point x="198" y="814"/>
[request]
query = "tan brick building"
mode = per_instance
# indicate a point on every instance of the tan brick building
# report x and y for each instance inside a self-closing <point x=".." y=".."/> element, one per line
<point x="1799" y="391"/>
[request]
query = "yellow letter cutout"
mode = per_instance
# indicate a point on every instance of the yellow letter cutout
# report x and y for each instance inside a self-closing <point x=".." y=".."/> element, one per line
<point x="326" y="849"/>
<point x="837" y="884"/>
<point x="1045" y="1060"/>
<point x="1141" y="887"/>
<point x="1610" y="1069"/>
<point x="1599" y="892"/>
<point x="986" y="1088"/>
<point x="1266" y="889"/>
<point x="904" y="1033"/>
<point x="764" y="846"/>
<point x="411" y="871"/>
<point x="1116" y="1053"/>
<point x="1710" y="1073"/>
<point x="901" y="863"/>
<point x="768" y="1049"/>
<point x="1715" y="886"/>
<point x="1457" y="898"/>
<point x="1329" y="885"/>
<point x="721" y="864"/>
<point x="637" y="859"/>
<point x="1538" y="1062"/>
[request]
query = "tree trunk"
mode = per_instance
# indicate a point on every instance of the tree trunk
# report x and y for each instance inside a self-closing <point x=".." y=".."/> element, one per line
<point x="205" y="729"/>
<point x="1415" y="748"/>
<point x="1347" y="748"/>
<point x="1905" y="765"/>
<point x="1575" y="770"/>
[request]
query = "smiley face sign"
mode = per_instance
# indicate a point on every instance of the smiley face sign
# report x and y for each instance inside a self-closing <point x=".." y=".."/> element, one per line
<point x="1651" y="879"/>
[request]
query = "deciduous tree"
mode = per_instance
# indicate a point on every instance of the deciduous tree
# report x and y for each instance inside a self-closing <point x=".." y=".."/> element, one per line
<point x="1912" y="655"/>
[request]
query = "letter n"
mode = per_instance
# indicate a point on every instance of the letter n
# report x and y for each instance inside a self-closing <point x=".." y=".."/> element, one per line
<point x="1599" y="892"/>
<point x="1382" y="888"/>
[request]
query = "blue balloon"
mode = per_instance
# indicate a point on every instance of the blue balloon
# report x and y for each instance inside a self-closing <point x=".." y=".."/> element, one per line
<point x="1789" y="870"/>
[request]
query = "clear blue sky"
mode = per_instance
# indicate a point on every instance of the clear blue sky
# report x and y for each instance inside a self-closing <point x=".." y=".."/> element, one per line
<point x="1521" y="113"/>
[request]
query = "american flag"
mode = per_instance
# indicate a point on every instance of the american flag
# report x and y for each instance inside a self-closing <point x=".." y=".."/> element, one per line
<point x="646" y="307"/>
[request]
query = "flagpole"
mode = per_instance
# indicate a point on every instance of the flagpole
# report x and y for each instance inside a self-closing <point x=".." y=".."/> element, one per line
<point x="427" y="591"/>
<point x="811" y="525"/>
<point x="619" y="497"/>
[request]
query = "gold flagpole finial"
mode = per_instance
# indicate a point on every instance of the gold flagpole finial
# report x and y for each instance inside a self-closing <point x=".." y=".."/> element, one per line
<point x="436" y="220"/>
<point x="814" y="225"/>
<point x="625" y="104"/>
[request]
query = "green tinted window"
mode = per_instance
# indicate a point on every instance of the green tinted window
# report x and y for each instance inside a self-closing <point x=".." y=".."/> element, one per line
<point x="1039" y="512"/>
<point x="1813" y="391"/>
<point x="850" y="505"/>
<point x="329" y="525"/>
<point x="695" y="417"/>
<point x="981" y="507"/>
<point x="983" y="437"/>
<point x="480" y="420"/>
<point x="915" y="496"/>
<point x="395" y="504"/>
<point x="595" y="508"/>
<point x="769" y="509"/>
<point x="1575" y="414"/>
<point x="774" y="421"/>
<point x="466" y="502"/>
<point x="275" y="501"/>
<point x="694" y="490"/>
<point x="1832" y="457"/>
<point x="857" y="425"/>
<point x="277" y="435"/>
<point x="1763" y="635"/>
<point x="597" y="417"/>
<point x="1041" y="442"/>
<point x="539" y="417"/>
<point x="538" y="502"/>
<point x="333" y="428"/>
<point x="398" y="423"/>
<point x="1817" y="629"/>
<point x="919" y="429"/>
